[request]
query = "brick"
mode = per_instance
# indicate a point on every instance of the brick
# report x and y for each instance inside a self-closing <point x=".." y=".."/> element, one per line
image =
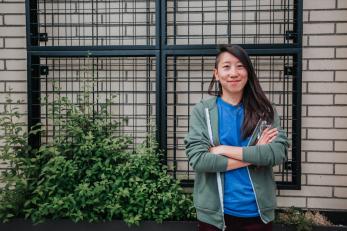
<point x="15" y="42"/>
<point x="304" y="41"/>
<point x="337" y="134"/>
<point x="318" y="53"/>
<point x="305" y="16"/>
<point x="12" y="54"/>
<point x="341" y="76"/>
<point x="327" y="111"/>
<point x="340" y="146"/>
<point x="303" y="110"/>
<point x="328" y="64"/>
<point x="328" y="40"/>
<point x="15" y="97"/>
<point x="314" y="145"/>
<point x="328" y="15"/>
<point x="12" y="8"/>
<point x="327" y="88"/>
<point x="341" y="169"/>
<point x="326" y="203"/>
<point x="340" y="192"/>
<point x="299" y="202"/>
<point x="326" y="180"/>
<point x="317" y="168"/>
<point x="1" y="21"/>
<point x="318" y="28"/>
<point x="341" y="4"/>
<point x="304" y="87"/>
<point x="341" y="52"/>
<point x="13" y="75"/>
<point x="319" y="4"/>
<point x="16" y="87"/>
<point x="315" y="191"/>
<point x="327" y="157"/>
<point x="316" y="122"/>
<point x="341" y="27"/>
<point x="303" y="134"/>
<point x="16" y="65"/>
<point x="1" y="43"/>
<point x="12" y="31"/>
<point x="341" y="122"/>
<point x="319" y="99"/>
<point x="2" y="64"/>
<point x="320" y="76"/>
<point x="341" y="99"/>
<point x="2" y="86"/>
<point x="14" y="20"/>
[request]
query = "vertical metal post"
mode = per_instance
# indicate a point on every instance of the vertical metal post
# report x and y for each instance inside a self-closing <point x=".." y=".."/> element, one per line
<point x="296" y="123"/>
<point x="33" y="71"/>
<point x="161" y="83"/>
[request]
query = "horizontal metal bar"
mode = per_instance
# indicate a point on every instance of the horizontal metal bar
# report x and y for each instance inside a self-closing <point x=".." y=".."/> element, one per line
<point x="84" y="48"/>
<point x="95" y="53"/>
<point x="257" y="52"/>
<point x="245" y="46"/>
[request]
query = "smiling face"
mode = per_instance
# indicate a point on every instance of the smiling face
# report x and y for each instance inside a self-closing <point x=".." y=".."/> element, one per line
<point x="232" y="75"/>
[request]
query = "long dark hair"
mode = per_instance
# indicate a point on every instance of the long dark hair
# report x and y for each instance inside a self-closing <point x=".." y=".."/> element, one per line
<point x="255" y="103"/>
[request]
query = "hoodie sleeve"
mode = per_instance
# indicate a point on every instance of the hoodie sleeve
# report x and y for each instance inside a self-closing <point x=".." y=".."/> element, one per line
<point x="197" y="145"/>
<point x="270" y="154"/>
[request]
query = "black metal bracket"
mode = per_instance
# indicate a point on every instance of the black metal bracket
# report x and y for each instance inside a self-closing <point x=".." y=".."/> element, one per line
<point x="288" y="70"/>
<point x="43" y="37"/>
<point x="288" y="165"/>
<point x="44" y="70"/>
<point x="290" y="35"/>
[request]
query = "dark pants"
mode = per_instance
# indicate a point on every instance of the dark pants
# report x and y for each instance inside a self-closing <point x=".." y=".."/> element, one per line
<point x="238" y="224"/>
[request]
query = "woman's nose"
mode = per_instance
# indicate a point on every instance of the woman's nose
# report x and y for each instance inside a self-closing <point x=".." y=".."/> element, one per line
<point x="233" y="71"/>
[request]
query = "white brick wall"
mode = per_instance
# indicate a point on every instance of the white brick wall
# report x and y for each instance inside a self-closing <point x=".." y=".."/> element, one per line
<point x="324" y="150"/>
<point x="324" y="110"/>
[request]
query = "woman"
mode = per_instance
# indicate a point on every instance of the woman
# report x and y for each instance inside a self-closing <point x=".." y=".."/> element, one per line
<point x="234" y="186"/>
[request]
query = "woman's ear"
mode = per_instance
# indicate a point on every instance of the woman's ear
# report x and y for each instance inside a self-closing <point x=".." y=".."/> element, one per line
<point x="215" y="74"/>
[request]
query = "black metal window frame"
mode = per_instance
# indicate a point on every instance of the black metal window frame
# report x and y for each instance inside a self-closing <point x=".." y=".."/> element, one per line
<point x="161" y="51"/>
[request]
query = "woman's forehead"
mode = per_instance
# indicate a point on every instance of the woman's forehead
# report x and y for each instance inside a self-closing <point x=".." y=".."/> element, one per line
<point x="226" y="57"/>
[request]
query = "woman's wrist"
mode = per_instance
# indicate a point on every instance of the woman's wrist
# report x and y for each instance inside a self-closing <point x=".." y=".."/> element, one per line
<point x="233" y="152"/>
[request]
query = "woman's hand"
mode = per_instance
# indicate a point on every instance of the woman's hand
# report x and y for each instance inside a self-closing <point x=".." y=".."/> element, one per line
<point x="268" y="135"/>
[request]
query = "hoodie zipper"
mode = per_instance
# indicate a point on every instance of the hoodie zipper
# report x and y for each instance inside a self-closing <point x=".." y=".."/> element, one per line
<point x="249" y="175"/>
<point x="218" y="175"/>
<point x="255" y="195"/>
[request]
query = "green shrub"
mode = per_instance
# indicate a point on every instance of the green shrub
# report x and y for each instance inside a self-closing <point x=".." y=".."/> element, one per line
<point x="88" y="172"/>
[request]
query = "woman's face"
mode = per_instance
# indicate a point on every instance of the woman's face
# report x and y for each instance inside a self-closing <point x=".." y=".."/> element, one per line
<point x="232" y="74"/>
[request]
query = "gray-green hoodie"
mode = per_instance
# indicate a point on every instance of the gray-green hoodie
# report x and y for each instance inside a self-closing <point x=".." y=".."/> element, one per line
<point x="206" y="166"/>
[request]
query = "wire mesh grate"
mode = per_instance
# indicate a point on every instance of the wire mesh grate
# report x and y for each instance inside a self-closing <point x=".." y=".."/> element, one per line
<point x="225" y="22"/>
<point x="187" y="82"/>
<point x="95" y="23"/>
<point x="129" y="81"/>
<point x="110" y="29"/>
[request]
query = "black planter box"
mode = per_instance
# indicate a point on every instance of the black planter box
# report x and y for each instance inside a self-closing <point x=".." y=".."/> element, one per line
<point x="67" y="225"/>
<point x="280" y="227"/>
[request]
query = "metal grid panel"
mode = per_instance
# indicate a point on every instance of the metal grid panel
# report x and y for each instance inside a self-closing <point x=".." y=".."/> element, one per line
<point x="225" y="21"/>
<point x="95" y="23"/>
<point x="187" y="82"/>
<point x="269" y="26"/>
<point x="130" y="80"/>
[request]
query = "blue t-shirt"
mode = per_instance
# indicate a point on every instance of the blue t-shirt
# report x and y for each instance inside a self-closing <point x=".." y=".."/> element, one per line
<point x="239" y="198"/>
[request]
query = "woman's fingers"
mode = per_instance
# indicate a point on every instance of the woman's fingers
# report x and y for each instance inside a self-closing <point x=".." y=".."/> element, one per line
<point x="268" y="135"/>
